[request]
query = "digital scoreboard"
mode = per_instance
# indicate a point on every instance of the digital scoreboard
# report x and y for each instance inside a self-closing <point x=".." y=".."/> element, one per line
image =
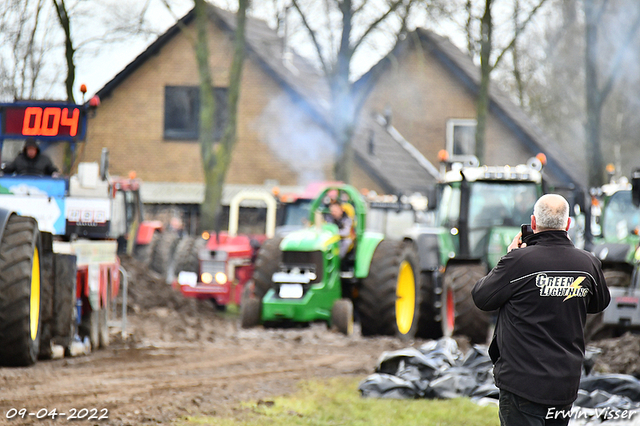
<point x="45" y="121"/>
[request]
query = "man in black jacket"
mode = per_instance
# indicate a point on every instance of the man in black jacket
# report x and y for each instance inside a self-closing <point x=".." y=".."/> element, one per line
<point x="543" y="287"/>
<point x="31" y="162"/>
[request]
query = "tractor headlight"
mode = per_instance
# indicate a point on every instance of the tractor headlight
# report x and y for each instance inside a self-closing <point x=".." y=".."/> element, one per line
<point x="221" y="278"/>
<point x="206" y="278"/>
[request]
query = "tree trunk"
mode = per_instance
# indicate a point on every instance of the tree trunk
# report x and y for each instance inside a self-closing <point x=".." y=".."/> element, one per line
<point x="594" y="101"/>
<point x="342" y="108"/>
<point x="216" y="159"/>
<point x="69" y="51"/>
<point x="482" y="104"/>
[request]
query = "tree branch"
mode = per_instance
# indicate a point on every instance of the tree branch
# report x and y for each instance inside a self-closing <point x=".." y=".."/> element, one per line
<point x="180" y="24"/>
<point x="377" y="22"/>
<point x="519" y="29"/>
<point x="312" y="34"/>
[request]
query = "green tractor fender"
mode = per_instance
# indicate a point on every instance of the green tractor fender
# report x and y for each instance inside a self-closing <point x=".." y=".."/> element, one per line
<point x="364" y="252"/>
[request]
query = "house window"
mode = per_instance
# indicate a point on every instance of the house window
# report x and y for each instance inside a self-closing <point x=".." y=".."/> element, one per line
<point x="461" y="138"/>
<point x="182" y="112"/>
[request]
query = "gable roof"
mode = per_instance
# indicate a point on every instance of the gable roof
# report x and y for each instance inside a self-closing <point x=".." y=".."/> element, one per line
<point x="462" y="67"/>
<point x="393" y="167"/>
<point x="397" y="165"/>
<point x="290" y="70"/>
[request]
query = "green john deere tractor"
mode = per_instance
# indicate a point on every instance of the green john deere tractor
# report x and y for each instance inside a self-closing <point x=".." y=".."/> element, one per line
<point x="300" y="278"/>
<point x="479" y="211"/>
<point x="617" y="245"/>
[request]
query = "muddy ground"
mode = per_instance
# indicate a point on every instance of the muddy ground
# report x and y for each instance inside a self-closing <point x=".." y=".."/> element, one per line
<point x="183" y="357"/>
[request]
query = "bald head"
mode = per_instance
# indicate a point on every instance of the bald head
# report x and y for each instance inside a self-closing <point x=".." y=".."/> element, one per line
<point x="551" y="211"/>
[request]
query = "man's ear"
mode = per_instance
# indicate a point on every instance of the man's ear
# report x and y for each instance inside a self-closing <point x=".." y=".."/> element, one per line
<point x="568" y="224"/>
<point x="534" y="225"/>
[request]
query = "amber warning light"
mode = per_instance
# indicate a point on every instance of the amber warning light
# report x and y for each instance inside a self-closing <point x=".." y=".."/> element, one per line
<point x="54" y="122"/>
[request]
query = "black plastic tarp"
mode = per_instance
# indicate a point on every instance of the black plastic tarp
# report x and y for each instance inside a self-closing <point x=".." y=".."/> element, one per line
<point x="438" y="369"/>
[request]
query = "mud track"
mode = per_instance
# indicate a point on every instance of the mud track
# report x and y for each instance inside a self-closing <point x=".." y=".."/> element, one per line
<point x="183" y="359"/>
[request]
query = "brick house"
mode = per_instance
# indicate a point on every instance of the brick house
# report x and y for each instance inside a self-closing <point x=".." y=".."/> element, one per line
<point x="148" y="118"/>
<point x="430" y="86"/>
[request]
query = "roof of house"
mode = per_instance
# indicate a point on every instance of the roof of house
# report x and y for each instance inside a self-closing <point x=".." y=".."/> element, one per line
<point x="462" y="66"/>
<point x="384" y="153"/>
<point x="394" y="167"/>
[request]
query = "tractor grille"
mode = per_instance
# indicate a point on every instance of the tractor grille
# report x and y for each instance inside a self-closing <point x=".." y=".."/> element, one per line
<point x="212" y="267"/>
<point x="304" y="260"/>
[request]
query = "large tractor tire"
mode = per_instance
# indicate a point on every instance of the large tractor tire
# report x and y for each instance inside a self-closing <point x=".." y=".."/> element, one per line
<point x="251" y="309"/>
<point x="65" y="313"/>
<point x="46" y="300"/>
<point x="163" y="251"/>
<point x="342" y="316"/>
<point x="143" y="253"/>
<point x="468" y="319"/>
<point x="594" y="329"/>
<point x="267" y="263"/>
<point x="430" y="324"/>
<point x="20" y="303"/>
<point x="389" y="298"/>
<point x="186" y="256"/>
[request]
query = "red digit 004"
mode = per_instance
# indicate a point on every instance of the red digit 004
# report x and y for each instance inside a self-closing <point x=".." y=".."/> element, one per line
<point x="47" y="123"/>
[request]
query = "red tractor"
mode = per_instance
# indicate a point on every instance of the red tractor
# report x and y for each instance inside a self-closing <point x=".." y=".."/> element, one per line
<point x="218" y="266"/>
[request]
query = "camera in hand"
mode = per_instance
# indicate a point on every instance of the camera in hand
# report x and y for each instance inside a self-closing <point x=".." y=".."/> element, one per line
<point x="526" y="230"/>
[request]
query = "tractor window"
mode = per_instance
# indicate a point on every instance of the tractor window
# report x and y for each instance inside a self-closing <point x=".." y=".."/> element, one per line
<point x="449" y="206"/>
<point x="297" y="213"/>
<point x="620" y="216"/>
<point x="496" y="204"/>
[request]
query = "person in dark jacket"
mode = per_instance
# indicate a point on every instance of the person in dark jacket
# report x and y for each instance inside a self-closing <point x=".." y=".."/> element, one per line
<point x="543" y="289"/>
<point x="31" y="162"/>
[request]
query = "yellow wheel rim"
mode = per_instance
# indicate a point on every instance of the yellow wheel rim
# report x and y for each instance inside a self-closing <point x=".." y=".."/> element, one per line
<point x="406" y="298"/>
<point x="34" y="311"/>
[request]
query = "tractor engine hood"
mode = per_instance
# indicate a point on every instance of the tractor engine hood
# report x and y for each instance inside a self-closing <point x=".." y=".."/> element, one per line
<point x="311" y="239"/>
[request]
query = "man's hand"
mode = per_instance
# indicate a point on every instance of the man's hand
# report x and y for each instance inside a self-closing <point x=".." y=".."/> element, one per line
<point x="516" y="243"/>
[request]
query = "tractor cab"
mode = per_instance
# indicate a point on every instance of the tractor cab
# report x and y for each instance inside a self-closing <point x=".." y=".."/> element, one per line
<point x="301" y="278"/>
<point x="219" y="265"/>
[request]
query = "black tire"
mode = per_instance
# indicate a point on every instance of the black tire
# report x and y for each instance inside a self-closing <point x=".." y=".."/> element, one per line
<point x="46" y="300"/>
<point x="186" y="255"/>
<point x="64" y="299"/>
<point x="594" y="329"/>
<point x="267" y="263"/>
<point x="342" y="316"/>
<point x="20" y="253"/>
<point x="469" y="320"/>
<point x="143" y="252"/>
<point x="379" y="302"/>
<point x="251" y="308"/>
<point x="163" y="252"/>
<point x="430" y="323"/>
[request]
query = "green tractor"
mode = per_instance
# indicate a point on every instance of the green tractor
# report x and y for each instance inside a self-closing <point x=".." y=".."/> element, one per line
<point x="301" y="278"/>
<point x="617" y="246"/>
<point x="479" y="211"/>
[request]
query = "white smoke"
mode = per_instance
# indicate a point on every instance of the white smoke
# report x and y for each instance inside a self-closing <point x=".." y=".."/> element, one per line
<point x="295" y="138"/>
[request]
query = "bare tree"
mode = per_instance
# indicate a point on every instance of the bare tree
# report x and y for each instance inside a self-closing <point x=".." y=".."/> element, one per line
<point x="488" y="51"/>
<point x="23" y="47"/>
<point x="339" y="30"/>
<point x="216" y="157"/>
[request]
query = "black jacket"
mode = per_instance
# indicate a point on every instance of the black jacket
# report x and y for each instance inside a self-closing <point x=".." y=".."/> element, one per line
<point x="543" y="292"/>
<point x="23" y="165"/>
